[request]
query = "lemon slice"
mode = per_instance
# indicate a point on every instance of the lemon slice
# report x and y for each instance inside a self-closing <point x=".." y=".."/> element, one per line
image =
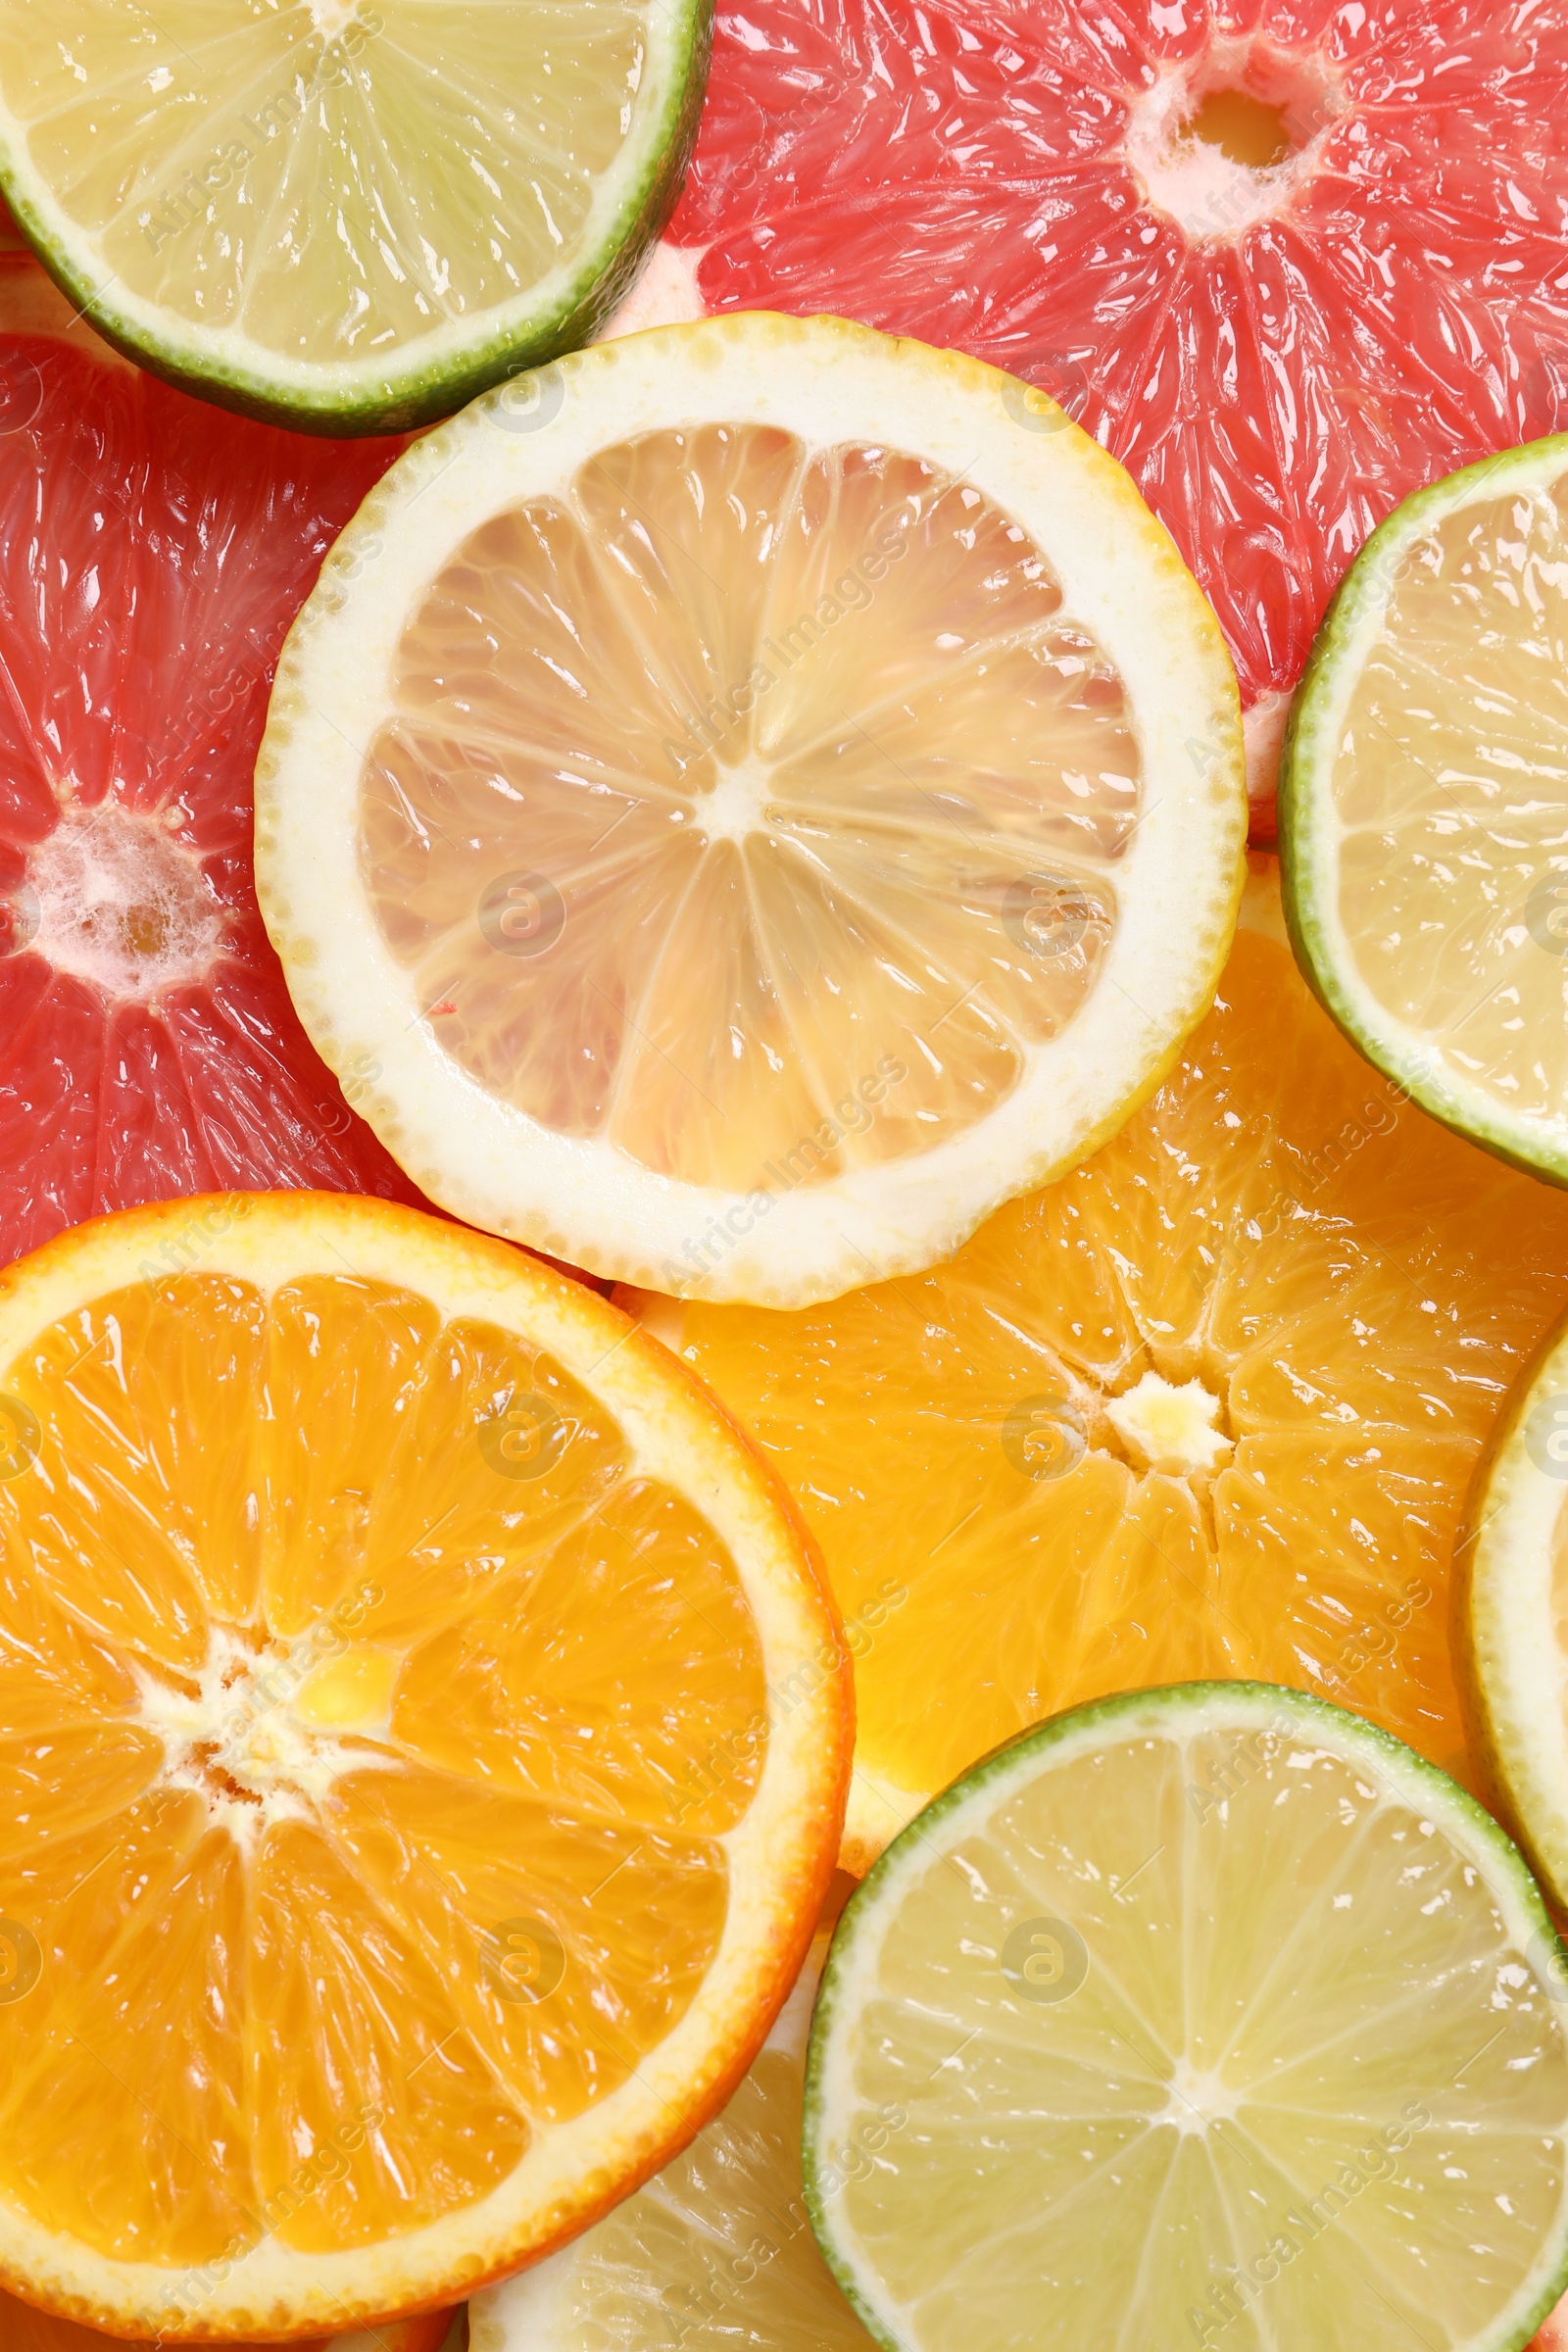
<point x="1512" y="1612"/>
<point x="1424" y="803"/>
<point x="347" y="215"/>
<point x="741" y="829"/>
<point x="1206" y="2015"/>
<point x="717" y="2245"/>
<point x="402" y="1854"/>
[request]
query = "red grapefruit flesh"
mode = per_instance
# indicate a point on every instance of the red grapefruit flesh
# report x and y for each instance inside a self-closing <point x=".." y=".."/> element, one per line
<point x="1553" y="2336"/>
<point x="152" y="551"/>
<point x="1289" y="261"/>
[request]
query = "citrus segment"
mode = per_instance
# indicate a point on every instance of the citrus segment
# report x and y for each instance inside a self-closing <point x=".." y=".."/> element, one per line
<point x="777" y="835"/>
<point x="151" y="556"/>
<point x="1287" y="263"/>
<point x="173" y="179"/>
<point x="1206" y="1406"/>
<point x="1256" y="2008"/>
<point x="717" y="2240"/>
<point x="374" y="1925"/>
<point x="1423" y="802"/>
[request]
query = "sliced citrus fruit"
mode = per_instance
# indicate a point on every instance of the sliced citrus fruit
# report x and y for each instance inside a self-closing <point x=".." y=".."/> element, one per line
<point x="28" y="2331"/>
<point x="1289" y="261"/>
<point x="1207" y="1406"/>
<point x="718" y="2244"/>
<point x="1553" y="2334"/>
<point x="427" y="1738"/>
<point x="750" y="817"/>
<point x="1208" y="2015"/>
<point x="1514" y="1614"/>
<point x="349" y="216"/>
<point x="152" y="553"/>
<point x="1424" y="803"/>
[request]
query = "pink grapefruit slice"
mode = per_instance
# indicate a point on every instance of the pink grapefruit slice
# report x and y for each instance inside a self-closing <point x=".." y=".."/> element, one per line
<point x="152" y="551"/>
<point x="1289" y="261"/>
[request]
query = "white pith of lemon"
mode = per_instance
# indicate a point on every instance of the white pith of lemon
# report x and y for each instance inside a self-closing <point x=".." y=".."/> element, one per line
<point x="1211" y="2016"/>
<point x="1424" y="803"/>
<point x="737" y="830"/>
<point x="492" y="174"/>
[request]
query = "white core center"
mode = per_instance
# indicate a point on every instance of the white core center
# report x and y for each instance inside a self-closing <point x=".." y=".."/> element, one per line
<point x="333" y="17"/>
<point x="110" y="899"/>
<point x="738" y="802"/>
<point x="1194" y="2101"/>
<point x="1166" y="1427"/>
<point x="1207" y="191"/>
<point x="246" y="1743"/>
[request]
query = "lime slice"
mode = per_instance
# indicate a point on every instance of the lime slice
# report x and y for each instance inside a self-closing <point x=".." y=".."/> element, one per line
<point x="1424" y="803"/>
<point x="1204" y="2016"/>
<point x="718" y="2248"/>
<point x="1511" y="1611"/>
<point x="349" y="216"/>
<point x="751" y="808"/>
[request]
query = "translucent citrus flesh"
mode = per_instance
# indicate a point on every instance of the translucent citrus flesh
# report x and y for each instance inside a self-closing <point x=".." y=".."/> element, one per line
<point x="153" y="551"/>
<point x="1268" y="343"/>
<point x="206" y="165"/>
<point x="718" y="2244"/>
<point x="1305" y="2048"/>
<point x="1352" y="1288"/>
<point x="304" y="1940"/>
<point x="748" y="768"/>
<point x="1450" y="783"/>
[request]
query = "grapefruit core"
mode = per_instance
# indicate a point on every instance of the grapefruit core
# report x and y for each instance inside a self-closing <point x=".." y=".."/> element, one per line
<point x="152" y="551"/>
<point x="1288" y="262"/>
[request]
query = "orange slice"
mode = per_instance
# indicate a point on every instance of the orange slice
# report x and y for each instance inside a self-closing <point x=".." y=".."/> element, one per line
<point x="424" y="1738"/>
<point x="1206" y="1407"/>
<point x="23" y="2329"/>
